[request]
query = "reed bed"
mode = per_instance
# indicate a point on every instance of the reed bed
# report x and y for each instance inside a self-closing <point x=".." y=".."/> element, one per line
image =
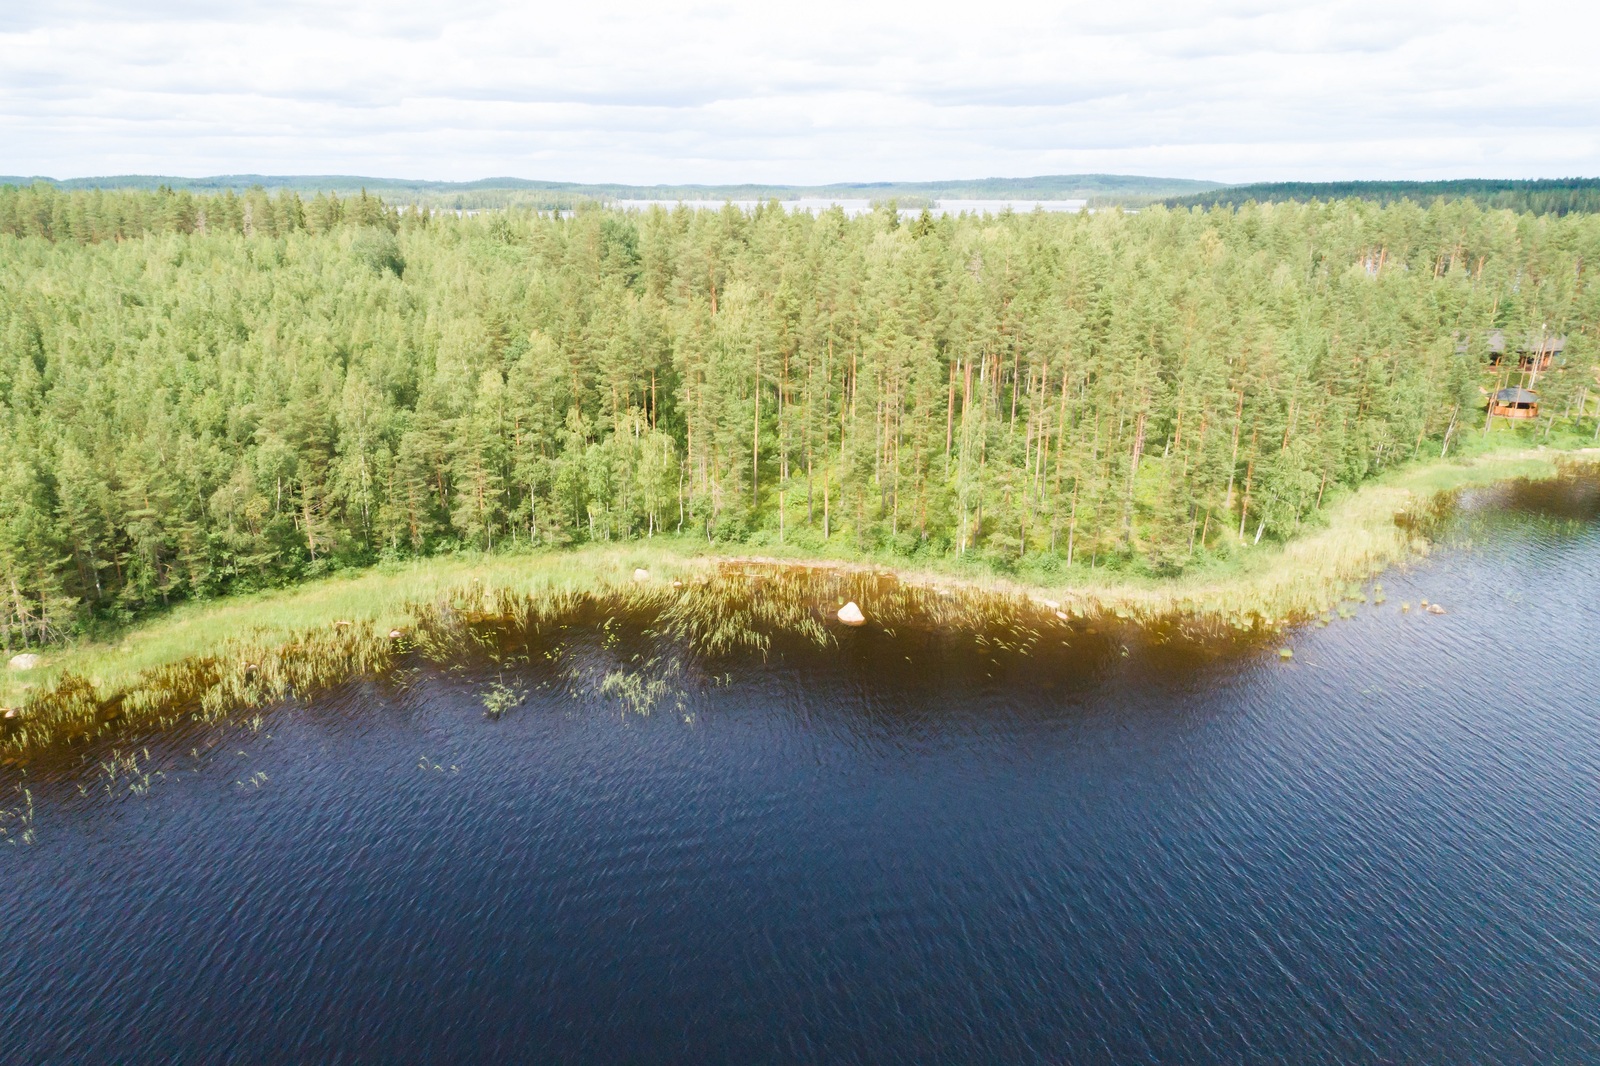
<point x="204" y="665"/>
<point x="723" y="609"/>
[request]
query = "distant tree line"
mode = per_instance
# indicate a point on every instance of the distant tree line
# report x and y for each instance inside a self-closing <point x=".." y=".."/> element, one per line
<point x="1544" y="196"/>
<point x="209" y="394"/>
<point x="89" y="217"/>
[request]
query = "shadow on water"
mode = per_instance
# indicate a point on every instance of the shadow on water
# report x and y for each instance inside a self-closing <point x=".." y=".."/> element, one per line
<point x="639" y="643"/>
<point x="1569" y="504"/>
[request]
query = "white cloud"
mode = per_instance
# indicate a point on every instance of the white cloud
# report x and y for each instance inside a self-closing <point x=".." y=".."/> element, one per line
<point x="826" y="91"/>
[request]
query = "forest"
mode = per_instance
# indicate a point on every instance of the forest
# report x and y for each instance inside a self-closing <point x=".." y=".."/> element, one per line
<point x="1539" y="196"/>
<point x="208" y="394"/>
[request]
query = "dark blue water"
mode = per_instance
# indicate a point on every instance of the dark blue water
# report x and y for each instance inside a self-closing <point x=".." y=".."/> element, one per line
<point x="1387" y="850"/>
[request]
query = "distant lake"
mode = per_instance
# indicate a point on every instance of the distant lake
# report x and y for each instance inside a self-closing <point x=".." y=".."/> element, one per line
<point x="815" y="205"/>
<point x="1109" y="848"/>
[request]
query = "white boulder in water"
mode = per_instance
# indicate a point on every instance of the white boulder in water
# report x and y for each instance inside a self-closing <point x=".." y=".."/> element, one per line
<point x="851" y="615"/>
<point x="25" y="661"/>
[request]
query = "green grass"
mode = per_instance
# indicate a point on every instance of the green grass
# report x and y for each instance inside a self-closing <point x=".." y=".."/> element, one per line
<point x="247" y="650"/>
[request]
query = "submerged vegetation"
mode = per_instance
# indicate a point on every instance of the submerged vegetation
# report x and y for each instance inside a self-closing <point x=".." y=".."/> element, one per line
<point x="211" y="395"/>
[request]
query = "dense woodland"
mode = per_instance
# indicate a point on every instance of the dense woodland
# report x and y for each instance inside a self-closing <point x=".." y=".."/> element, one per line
<point x="205" y="394"/>
<point x="1539" y="196"/>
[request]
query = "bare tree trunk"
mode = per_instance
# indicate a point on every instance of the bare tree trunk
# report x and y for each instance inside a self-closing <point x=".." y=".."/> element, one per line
<point x="1133" y="474"/>
<point x="1233" y="465"/>
<point x="1249" y="475"/>
<point x="950" y="417"/>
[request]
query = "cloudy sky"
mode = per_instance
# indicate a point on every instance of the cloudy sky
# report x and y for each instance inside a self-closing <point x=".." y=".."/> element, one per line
<point x="1233" y="90"/>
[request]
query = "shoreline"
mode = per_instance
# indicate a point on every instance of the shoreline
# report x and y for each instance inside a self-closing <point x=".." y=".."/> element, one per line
<point x="214" y="657"/>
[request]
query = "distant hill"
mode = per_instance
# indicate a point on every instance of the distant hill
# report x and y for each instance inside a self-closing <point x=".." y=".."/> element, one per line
<point x="501" y="192"/>
<point x="1544" y="196"/>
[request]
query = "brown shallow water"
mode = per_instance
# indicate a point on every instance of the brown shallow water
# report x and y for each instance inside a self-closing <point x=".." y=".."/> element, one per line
<point x="915" y="844"/>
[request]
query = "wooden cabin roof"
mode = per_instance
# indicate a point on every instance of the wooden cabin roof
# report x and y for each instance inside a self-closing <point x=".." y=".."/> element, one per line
<point x="1515" y="396"/>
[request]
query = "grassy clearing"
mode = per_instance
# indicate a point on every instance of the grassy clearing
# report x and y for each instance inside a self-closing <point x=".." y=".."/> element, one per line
<point x="210" y="658"/>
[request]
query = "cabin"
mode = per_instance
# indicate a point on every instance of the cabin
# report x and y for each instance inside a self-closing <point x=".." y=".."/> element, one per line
<point x="1514" y="403"/>
<point x="1535" y="351"/>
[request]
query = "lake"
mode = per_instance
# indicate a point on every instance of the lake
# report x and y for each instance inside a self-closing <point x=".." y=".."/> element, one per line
<point x="853" y="207"/>
<point x="902" y="849"/>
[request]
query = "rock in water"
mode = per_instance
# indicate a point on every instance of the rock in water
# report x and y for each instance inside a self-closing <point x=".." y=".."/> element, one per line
<point x="25" y="661"/>
<point x="641" y="574"/>
<point x="1434" y="608"/>
<point x="851" y="615"/>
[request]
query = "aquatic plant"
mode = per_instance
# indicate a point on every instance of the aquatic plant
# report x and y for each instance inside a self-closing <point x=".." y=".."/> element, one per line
<point x="500" y="698"/>
<point x="16" y="823"/>
<point x="124" y="773"/>
<point x="637" y="692"/>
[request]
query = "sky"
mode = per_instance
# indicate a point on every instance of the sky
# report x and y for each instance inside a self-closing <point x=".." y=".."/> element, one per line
<point x="757" y="91"/>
